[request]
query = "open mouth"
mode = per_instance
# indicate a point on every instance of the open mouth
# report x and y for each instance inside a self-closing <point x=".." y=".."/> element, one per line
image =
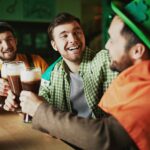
<point x="8" y="51"/>
<point x="73" y="48"/>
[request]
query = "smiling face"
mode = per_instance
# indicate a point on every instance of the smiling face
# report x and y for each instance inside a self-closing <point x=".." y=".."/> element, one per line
<point x="69" y="41"/>
<point x="117" y="46"/>
<point x="8" y="46"/>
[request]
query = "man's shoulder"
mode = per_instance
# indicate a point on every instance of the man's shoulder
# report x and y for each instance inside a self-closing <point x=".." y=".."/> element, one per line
<point x="34" y="56"/>
<point x="33" y="60"/>
<point x="25" y="54"/>
<point x="92" y="54"/>
<point x="102" y="55"/>
<point x="47" y="74"/>
<point x="103" y="52"/>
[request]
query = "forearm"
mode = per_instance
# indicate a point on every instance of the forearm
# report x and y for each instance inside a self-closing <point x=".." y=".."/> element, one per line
<point x="84" y="133"/>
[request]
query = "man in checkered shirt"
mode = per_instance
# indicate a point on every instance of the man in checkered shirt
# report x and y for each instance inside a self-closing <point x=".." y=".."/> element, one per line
<point x="77" y="80"/>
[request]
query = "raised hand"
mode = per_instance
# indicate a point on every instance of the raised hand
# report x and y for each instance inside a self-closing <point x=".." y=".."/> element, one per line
<point x="29" y="102"/>
<point x="10" y="104"/>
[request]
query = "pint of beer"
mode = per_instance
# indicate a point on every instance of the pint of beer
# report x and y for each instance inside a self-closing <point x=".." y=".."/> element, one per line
<point x="30" y="81"/>
<point x="13" y="74"/>
<point x="4" y="70"/>
<point x="4" y="76"/>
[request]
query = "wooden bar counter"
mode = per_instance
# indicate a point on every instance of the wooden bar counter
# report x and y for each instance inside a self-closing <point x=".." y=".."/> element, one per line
<point x="17" y="135"/>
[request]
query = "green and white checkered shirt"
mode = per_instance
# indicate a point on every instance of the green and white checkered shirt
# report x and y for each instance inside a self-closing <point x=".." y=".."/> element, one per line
<point x="96" y="77"/>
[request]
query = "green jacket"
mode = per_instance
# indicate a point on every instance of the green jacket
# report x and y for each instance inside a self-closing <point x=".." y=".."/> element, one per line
<point x="96" y="75"/>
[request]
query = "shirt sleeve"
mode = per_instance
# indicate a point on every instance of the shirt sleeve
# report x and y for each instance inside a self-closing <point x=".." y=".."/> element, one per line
<point x="40" y="62"/>
<point x="89" y="134"/>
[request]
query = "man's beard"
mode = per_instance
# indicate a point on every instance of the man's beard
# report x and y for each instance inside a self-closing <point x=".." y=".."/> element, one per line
<point x="114" y="66"/>
<point x="9" y="59"/>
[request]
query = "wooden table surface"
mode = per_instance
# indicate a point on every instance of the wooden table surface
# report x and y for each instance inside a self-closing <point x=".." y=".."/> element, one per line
<point x="17" y="135"/>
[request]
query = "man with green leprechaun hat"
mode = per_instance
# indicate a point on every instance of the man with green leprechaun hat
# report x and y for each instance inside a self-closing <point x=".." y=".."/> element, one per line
<point x="126" y="102"/>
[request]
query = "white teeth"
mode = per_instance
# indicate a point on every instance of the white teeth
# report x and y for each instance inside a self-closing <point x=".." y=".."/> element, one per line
<point x="73" y="48"/>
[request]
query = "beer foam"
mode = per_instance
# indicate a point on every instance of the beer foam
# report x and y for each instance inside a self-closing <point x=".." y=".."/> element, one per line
<point x="14" y="72"/>
<point x="4" y="71"/>
<point x="14" y="68"/>
<point x="28" y="76"/>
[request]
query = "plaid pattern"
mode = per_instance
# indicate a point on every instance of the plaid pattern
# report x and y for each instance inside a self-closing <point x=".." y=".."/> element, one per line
<point x="96" y="76"/>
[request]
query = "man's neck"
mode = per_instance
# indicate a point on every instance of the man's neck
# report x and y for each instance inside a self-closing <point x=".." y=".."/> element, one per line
<point x="73" y="66"/>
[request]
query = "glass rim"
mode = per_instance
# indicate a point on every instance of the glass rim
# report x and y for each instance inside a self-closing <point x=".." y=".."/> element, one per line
<point x="32" y="68"/>
<point x="14" y="62"/>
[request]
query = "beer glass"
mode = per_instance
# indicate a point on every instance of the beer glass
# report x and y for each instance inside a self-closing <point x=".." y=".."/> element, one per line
<point x="13" y="74"/>
<point x="4" y="76"/>
<point x="30" y="81"/>
<point x="4" y="70"/>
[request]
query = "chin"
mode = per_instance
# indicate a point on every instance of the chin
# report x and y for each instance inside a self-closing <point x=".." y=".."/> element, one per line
<point x="10" y="57"/>
<point x="114" y="67"/>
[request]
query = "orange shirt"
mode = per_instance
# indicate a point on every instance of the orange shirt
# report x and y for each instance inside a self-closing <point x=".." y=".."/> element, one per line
<point x="38" y="61"/>
<point x="128" y="100"/>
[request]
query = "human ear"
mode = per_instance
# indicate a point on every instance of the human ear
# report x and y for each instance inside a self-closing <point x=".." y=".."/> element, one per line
<point x="138" y="51"/>
<point x="54" y="45"/>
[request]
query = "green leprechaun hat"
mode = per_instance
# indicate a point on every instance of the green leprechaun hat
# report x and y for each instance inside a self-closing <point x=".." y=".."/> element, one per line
<point x="136" y="15"/>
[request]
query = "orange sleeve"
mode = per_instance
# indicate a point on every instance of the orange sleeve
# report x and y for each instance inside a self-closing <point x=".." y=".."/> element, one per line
<point x="39" y="62"/>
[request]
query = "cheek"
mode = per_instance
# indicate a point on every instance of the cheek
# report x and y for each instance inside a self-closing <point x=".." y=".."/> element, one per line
<point x="13" y="44"/>
<point x="84" y="43"/>
<point x="15" y="47"/>
<point x="115" y="54"/>
<point x="60" y="48"/>
<point x="116" y="50"/>
<point x="59" y="45"/>
<point x="83" y="39"/>
<point x="110" y="47"/>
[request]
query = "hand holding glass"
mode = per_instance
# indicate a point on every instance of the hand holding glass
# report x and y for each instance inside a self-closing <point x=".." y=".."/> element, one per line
<point x="13" y="74"/>
<point x="30" y="81"/>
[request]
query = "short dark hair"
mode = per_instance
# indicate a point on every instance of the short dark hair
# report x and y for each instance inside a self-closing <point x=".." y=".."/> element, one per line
<point x="61" y="18"/>
<point x="131" y="36"/>
<point x="4" y="26"/>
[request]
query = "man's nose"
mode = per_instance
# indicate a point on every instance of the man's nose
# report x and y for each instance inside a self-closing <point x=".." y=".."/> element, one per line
<point x="72" y="38"/>
<point x="5" y="45"/>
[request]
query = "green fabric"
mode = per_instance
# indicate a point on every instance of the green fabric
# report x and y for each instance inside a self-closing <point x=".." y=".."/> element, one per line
<point x="137" y="16"/>
<point x="96" y="76"/>
<point x="47" y="74"/>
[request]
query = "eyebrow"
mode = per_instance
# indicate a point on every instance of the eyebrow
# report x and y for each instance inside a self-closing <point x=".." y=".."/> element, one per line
<point x="63" y="32"/>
